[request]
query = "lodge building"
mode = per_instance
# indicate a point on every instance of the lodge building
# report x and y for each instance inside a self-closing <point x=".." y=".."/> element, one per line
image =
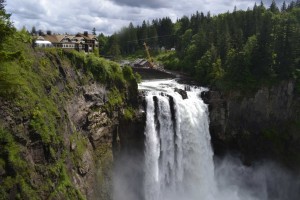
<point x="80" y="42"/>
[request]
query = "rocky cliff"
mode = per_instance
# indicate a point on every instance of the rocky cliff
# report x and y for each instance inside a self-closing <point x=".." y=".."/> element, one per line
<point x="60" y="127"/>
<point x="129" y="155"/>
<point x="263" y="125"/>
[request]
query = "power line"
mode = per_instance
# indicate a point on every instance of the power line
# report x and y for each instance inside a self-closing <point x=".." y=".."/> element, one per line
<point x="149" y="38"/>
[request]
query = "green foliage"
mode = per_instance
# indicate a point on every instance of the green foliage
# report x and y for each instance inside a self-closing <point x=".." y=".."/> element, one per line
<point x="217" y="72"/>
<point x="24" y="83"/>
<point x="8" y="56"/>
<point x="238" y="74"/>
<point x="13" y="64"/>
<point x="128" y="73"/>
<point x="255" y="47"/>
<point x="80" y="144"/>
<point x="115" y="47"/>
<point x="6" y="27"/>
<point x="170" y="60"/>
<point x="15" y="168"/>
<point x="43" y="122"/>
<point x="116" y="78"/>
<point x="78" y="59"/>
<point x="138" y="77"/>
<point x="63" y="188"/>
<point x="24" y="36"/>
<point x="115" y="99"/>
<point x="29" y="82"/>
<point x="102" y="44"/>
<point x="9" y="80"/>
<point x="102" y="70"/>
<point x="128" y="113"/>
<point x="209" y="67"/>
<point x="10" y="150"/>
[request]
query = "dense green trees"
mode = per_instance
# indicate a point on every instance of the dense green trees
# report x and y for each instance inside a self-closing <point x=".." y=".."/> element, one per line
<point x="237" y="48"/>
<point x="6" y="27"/>
<point x="8" y="81"/>
<point x="160" y="33"/>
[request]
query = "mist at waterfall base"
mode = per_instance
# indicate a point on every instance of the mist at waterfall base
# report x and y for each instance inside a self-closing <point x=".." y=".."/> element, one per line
<point x="178" y="162"/>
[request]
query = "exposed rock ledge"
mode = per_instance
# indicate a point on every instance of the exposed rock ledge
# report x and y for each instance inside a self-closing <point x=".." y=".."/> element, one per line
<point x="264" y="125"/>
<point x="113" y="140"/>
<point x="86" y="117"/>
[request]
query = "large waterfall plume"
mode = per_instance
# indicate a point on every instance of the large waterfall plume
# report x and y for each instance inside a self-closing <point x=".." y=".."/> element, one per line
<point x="178" y="154"/>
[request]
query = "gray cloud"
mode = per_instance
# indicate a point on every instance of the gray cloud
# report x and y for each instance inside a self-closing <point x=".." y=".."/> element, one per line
<point x="144" y="3"/>
<point x="108" y="16"/>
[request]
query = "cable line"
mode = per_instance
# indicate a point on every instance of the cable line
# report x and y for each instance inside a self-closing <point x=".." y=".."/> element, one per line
<point x="145" y="39"/>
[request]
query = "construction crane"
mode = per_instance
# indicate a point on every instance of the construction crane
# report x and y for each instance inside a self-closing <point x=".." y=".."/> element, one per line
<point x="148" y="55"/>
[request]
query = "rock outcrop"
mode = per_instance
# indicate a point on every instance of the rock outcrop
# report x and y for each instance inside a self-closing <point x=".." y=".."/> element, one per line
<point x="87" y="117"/>
<point x="112" y="141"/>
<point x="259" y="126"/>
<point x="129" y="156"/>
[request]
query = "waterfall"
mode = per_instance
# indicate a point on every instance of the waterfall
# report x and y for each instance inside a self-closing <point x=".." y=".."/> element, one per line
<point x="178" y="153"/>
<point x="179" y="158"/>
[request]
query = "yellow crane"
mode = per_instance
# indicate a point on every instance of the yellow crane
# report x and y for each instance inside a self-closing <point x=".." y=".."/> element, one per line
<point x="148" y="55"/>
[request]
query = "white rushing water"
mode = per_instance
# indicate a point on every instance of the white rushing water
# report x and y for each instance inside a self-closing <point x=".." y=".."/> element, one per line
<point x="179" y="157"/>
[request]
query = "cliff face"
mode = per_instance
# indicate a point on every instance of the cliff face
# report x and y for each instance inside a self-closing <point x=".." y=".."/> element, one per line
<point x="263" y="125"/>
<point x="129" y="156"/>
<point x="59" y="132"/>
<point x="93" y="167"/>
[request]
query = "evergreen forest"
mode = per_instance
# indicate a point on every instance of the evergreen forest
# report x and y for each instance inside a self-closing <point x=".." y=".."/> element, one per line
<point x="234" y="50"/>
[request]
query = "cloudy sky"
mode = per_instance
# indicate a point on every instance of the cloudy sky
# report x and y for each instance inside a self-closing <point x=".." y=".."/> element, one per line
<point x="108" y="16"/>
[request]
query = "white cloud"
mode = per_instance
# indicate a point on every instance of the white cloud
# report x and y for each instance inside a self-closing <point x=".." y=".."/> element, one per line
<point x="108" y="16"/>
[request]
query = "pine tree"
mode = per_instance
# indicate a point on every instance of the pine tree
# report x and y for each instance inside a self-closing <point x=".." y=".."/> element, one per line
<point x="291" y="5"/>
<point x="283" y="7"/>
<point x="6" y="27"/>
<point x="2" y="4"/>
<point x="234" y="9"/>
<point x="165" y="30"/>
<point x="184" y="25"/>
<point x="223" y="39"/>
<point x="263" y="65"/>
<point x="132" y="38"/>
<point x="115" y="47"/>
<point x="262" y="4"/>
<point x="273" y="7"/>
<point x="144" y="32"/>
<point x="153" y="38"/>
<point x="195" y="22"/>
<point x="255" y="6"/>
<point x="33" y="31"/>
<point x="103" y="44"/>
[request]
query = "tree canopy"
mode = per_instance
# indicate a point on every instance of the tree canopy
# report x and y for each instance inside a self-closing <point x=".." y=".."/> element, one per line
<point x="240" y="47"/>
<point x="6" y="27"/>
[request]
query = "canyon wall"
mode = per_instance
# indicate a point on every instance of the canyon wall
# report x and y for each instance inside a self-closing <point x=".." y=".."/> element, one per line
<point x="261" y="125"/>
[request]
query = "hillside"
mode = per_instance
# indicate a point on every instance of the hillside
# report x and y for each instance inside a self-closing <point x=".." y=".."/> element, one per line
<point x="59" y="110"/>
